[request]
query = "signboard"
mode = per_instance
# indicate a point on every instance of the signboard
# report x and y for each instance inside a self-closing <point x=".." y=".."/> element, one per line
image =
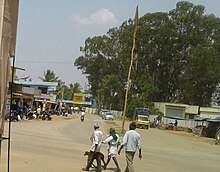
<point x="28" y="90"/>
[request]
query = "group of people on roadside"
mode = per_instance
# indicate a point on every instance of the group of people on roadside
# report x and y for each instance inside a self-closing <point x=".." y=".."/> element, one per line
<point x="130" y="142"/>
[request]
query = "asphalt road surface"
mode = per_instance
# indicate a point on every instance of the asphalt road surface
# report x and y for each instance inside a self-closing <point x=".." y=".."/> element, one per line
<point x="59" y="145"/>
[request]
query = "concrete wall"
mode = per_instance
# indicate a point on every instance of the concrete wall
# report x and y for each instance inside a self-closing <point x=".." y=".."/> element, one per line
<point x="91" y="110"/>
<point x="117" y="114"/>
<point x="181" y="123"/>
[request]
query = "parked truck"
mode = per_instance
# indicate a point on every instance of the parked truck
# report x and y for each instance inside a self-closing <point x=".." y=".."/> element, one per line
<point x="141" y="118"/>
<point x="213" y="129"/>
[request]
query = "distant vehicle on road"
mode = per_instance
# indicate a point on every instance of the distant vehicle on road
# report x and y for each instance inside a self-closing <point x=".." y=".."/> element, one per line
<point x="141" y="118"/>
<point x="142" y="121"/>
<point x="102" y="112"/>
<point x="108" y="116"/>
<point x="76" y="109"/>
<point x="213" y="129"/>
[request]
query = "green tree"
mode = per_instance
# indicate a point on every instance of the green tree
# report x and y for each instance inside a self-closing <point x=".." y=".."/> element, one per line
<point x="69" y="91"/>
<point x="177" y="58"/>
<point x="50" y="76"/>
<point x="198" y="54"/>
<point x="109" y="93"/>
<point x="62" y="91"/>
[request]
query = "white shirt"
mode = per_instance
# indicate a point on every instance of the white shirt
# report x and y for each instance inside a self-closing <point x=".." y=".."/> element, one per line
<point x="113" y="145"/>
<point x="131" y="141"/>
<point x="96" y="139"/>
<point x="82" y="113"/>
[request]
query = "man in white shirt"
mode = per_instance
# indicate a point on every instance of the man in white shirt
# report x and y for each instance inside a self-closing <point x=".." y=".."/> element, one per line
<point x="96" y="140"/>
<point x="131" y="142"/>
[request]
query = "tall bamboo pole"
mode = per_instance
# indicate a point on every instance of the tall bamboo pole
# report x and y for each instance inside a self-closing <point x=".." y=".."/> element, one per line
<point x="130" y="67"/>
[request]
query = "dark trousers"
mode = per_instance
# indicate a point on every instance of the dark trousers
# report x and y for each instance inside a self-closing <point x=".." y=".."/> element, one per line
<point x="94" y="155"/>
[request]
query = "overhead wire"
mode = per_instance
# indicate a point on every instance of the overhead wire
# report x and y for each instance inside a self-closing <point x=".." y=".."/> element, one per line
<point x="45" y="62"/>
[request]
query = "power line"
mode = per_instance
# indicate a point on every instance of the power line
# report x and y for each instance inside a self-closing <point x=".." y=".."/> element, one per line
<point x="44" y="62"/>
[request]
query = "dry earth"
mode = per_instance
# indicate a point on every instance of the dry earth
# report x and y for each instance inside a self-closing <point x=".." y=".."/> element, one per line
<point x="58" y="146"/>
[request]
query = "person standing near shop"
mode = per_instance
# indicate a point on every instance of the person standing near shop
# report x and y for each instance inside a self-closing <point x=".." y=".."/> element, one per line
<point x="175" y="125"/>
<point x="131" y="142"/>
<point x="38" y="111"/>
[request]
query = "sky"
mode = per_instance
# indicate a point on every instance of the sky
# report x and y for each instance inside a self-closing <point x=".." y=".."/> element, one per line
<point x="51" y="32"/>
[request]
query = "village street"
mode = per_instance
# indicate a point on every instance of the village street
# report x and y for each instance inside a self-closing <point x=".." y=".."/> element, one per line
<point x="59" y="145"/>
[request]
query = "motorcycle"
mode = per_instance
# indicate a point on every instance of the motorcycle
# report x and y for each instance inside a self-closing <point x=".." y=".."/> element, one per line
<point x="82" y="114"/>
<point x="82" y="118"/>
<point x="13" y="116"/>
<point x="64" y="112"/>
<point x="30" y="114"/>
<point x="46" y="116"/>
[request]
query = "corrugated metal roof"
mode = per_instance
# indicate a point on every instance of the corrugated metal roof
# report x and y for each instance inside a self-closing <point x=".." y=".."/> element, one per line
<point x="209" y="109"/>
<point x="46" y="84"/>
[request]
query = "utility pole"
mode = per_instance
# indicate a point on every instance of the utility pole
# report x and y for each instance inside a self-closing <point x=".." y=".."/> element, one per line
<point x="61" y="98"/>
<point x="130" y="67"/>
<point x="62" y="93"/>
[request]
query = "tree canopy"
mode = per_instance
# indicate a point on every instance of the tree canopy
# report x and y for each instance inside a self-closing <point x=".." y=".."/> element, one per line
<point x="63" y="91"/>
<point x="49" y="76"/>
<point x="177" y="58"/>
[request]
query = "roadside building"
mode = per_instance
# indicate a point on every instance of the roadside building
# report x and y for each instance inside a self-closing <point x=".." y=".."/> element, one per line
<point x="82" y="100"/>
<point x="209" y="112"/>
<point x="183" y="113"/>
<point x="175" y="110"/>
<point x="34" y="94"/>
<point x="23" y="96"/>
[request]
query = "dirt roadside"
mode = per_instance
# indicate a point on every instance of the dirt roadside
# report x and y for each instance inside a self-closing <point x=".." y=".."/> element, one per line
<point x="58" y="146"/>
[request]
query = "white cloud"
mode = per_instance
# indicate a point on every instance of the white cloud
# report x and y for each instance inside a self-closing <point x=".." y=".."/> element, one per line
<point x="103" y="16"/>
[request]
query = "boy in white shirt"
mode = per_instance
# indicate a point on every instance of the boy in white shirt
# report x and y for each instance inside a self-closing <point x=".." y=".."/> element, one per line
<point x="113" y="141"/>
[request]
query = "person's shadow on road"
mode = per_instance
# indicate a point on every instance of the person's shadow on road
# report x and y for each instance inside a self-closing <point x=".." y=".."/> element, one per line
<point x="109" y="169"/>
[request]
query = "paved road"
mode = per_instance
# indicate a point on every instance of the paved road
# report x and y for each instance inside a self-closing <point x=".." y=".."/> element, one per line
<point x="58" y="146"/>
